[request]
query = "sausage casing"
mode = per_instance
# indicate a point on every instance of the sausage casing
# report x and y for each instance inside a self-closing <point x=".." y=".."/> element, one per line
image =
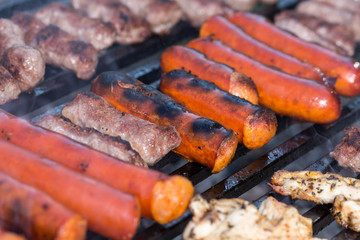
<point x="346" y="70"/>
<point x="203" y="140"/>
<point x="236" y="83"/>
<point x="283" y="93"/>
<point x="254" y="125"/>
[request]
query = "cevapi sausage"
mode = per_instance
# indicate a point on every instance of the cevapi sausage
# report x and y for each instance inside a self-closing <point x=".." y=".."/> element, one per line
<point x="219" y="27"/>
<point x="108" y="211"/>
<point x="35" y="214"/>
<point x="203" y="140"/>
<point x="162" y="197"/>
<point x="236" y="83"/>
<point x="58" y="47"/>
<point x="345" y="69"/>
<point x="254" y="125"/>
<point x="283" y="93"/>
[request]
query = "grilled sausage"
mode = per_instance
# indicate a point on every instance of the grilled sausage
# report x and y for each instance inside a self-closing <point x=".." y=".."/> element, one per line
<point x="93" y="31"/>
<point x="221" y="28"/>
<point x="5" y="235"/>
<point x="162" y="198"/>
<point x="108" y="211"/>
<point x="151" y="141"/>
<point x="236" y="83"/>
<point x="283" y="93"/>
<point x="254" y="125"/>
<point x="346" y="70"/>
<point x="24" y="63"/>
<point x="58" y="47"/>
<point x="161" y="15"/>
<point x="9" y="88"/>
<point x="128" y="27"/>
<point x="203" y="140"/>
<point x="35" y="214"/>
<point x="114" y="146"/>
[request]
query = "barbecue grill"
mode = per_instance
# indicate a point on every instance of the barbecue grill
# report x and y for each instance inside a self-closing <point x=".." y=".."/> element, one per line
<point x="296" y="146"/>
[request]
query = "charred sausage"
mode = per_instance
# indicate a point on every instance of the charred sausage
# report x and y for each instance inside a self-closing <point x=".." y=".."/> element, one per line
<point x="236" y="83"/>
<point x="254" y="125"/>
<point x="221" y="28"/>
<point x="345" y="69"/>
<point x="162" y="197"/>
<point x="36" y="214"/>
<point x="203" y="140"/>
<point x="108" y="211"/>
<point x="283" y="93"/>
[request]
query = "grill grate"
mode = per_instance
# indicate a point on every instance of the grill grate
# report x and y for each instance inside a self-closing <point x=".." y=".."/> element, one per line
<point x="297" y="145"/>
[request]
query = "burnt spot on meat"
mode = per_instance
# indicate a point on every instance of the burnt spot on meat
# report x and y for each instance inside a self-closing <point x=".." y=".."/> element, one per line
<point x="110" y="78"/>
<point x="205" y="126"/>
<point x="177" y="73"/>
<point x="46" y="33"/>
<point x="204" y="85"/>
<point x="332" y="186"/>
<point x="45" y="206"/>
<point x="134" y="95"/>
<point x="168" y="110"/>
<point x="234" y="99"/>
<point x="311" y="186"/>
<point x="124" y="17"/>
<point x="83" y="166"/>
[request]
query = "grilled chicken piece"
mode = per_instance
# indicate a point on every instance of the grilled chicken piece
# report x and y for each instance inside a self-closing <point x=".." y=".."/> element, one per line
<point x="198" y="11"/>
<point x="347" y="212"/>
<point x="58" y="47"/>
<point x="151" y="141"/>
<point x="347" y="152"/>
<point x="239" y="219"/>
<point x="24" y="63"/>
<point x="313" y="29"/>
<point x="240" y="5"/>
<point x="315" y="186"/>
<point x="100" y="35"/>
<point x="161" y="15"/>
<point x="331" y="14"/>
<point x="9" y="88"/>
<point x="113" y="146"/>
<point x="128" y="27"/>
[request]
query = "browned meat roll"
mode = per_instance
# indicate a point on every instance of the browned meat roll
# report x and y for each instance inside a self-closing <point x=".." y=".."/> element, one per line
<point x="58" y="47"/>
<point x="100" y="35"/>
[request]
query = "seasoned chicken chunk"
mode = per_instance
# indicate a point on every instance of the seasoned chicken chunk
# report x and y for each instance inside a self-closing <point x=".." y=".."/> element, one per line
<point x="113" y="146"/>
<point x="347" y="212"/>
<point x="347" y="152"/>
<point x="315" y="186"/>
<point x="239" y="219"/>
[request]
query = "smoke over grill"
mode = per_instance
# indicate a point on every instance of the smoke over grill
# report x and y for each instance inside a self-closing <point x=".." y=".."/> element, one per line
<point x="296" y="146"/>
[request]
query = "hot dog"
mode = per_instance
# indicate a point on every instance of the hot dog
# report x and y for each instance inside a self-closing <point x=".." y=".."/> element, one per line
<point x="283" y="93"/>
<point x="162" y="198"/>
<point x="223" y="76"/>
<point x="219" y="27"/>
<point x="108" y="211"/>
<point x="345" y="69"/>
<point x="37" y="215"/>
<point x="203" y="140"/>
<point x="254" y="125"/>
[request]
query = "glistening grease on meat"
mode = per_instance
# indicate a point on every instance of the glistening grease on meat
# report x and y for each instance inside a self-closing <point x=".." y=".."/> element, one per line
<point x="114" y="146"/>
<point x="24" y="63"/>
<point x="151" y="141"/>
<point x="202" y="140"/>
<point x="94" y="31"/>
<point x="58" y="47"/>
